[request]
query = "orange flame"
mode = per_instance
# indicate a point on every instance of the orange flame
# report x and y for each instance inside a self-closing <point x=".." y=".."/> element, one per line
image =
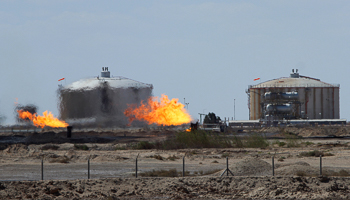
<point x="166" y="112"/>
<point x="46" y="120"/>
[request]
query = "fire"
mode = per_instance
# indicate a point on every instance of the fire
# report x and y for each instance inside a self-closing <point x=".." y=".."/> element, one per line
<point x="46" y="120"/>
<point x="166" y="112"/>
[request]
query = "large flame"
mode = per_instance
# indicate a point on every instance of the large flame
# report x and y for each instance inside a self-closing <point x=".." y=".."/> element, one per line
<point x="41" y="121"/>
<point x="166" y="112"/>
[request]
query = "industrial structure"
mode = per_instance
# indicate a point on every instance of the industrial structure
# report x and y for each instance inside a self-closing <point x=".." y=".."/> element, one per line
<point x="31" y="108"/>
<point x="293" y="97"/>
<point x="101" y="100"/>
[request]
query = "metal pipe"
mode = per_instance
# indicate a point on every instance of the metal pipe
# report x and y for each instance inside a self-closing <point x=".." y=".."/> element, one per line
<point x="69" y="131"/>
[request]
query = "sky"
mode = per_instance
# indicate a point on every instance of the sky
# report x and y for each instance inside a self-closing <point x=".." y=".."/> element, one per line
<point x="207" y="52"/>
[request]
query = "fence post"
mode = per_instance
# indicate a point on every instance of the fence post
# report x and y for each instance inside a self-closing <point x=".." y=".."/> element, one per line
<point x="227" y="165"/>
<point x="227" y="170"/>
<point x="136" y="165"/>
<point x="89" y="168"/>
<point x="183" y="166"/>
<point x="273" y="165"/>
<point x="42" y="169"/>
<point x="320" y="165"/>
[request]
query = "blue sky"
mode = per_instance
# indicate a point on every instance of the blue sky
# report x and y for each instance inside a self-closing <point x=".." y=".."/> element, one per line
<point x="205" y="51"/>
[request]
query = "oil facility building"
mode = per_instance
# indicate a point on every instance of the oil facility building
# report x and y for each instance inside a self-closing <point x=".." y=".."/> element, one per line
<point x="102" y="100"/>
<point x="294" y="97"/>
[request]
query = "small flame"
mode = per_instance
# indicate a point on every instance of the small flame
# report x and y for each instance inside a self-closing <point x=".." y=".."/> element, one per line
<point x="166" y="112"/>
<point x="46" y="120"/>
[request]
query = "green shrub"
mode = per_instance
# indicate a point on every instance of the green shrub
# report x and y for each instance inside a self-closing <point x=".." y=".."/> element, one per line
<point x="255" y="141"/>
<point x="173" y="158"/>
<point x="293" y="141"/>
<point x="308" y="143"/>
<point x="61" y="159"/>
<point x="81" y="147"/>
<point x="144" y="145"/>
<point x="281" y="159"/>
<point x="237" y="142"/>
<point x="195" y="139"/>
<point x="280" y="144"/>
<point x="120" y="148"/>
<point x="203" y="139"/>
<point x="49" y="146"/>
<point x="224" y="155"/>
<point x="158" y="157"/>
<point x="328" y="154"/>
<point x="193" y="152"/>
<point x="314" y="153"/>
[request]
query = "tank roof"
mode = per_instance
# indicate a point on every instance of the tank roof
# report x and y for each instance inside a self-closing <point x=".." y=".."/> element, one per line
<point x="114" y="82"/>
<point x="294" y="80"/>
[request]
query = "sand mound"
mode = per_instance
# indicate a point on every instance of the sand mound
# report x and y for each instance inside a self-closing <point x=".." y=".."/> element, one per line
<point x="252" y="167"/>
<point x="296" y="169"/>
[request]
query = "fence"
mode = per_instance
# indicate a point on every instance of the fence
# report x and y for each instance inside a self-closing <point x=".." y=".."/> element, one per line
<point x="84" y="170"/>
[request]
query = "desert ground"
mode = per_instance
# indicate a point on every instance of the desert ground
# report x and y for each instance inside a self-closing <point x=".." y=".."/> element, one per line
<point x="297" y="174"/>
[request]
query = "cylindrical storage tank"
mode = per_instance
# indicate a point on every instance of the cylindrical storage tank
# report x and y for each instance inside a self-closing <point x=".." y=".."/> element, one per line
<point x="269" y="95"/>
<point x="101" y="101"/>
<point x="311" y="97"/>
<point x="289" y="95"/>
<point x="285" y="108"/>
<point x="281" y="95"/>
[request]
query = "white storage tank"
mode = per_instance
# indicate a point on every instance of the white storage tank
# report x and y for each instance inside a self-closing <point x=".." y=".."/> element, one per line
<point x="101" y="100"/>
<point x="307" y="97"/>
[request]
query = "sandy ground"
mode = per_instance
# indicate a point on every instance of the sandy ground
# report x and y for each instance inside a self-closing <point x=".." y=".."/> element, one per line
<point x="181" y="188"/>
<point x="112" y="170"/>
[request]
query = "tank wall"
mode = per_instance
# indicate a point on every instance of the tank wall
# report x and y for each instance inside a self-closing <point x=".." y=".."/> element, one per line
<point x="255" y="106"/>
<point x="336" y="103"/>
<point x="122" y="97"/>
<point x="77" y="104"/>
<point x="327" y="103"/>
<point x="316" y="103"/>
<point x="323" y="103"/>
<point x="105" y="104"/>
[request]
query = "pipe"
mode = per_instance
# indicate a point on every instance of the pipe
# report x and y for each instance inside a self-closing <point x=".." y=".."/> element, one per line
<point x="69" y="131"/>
